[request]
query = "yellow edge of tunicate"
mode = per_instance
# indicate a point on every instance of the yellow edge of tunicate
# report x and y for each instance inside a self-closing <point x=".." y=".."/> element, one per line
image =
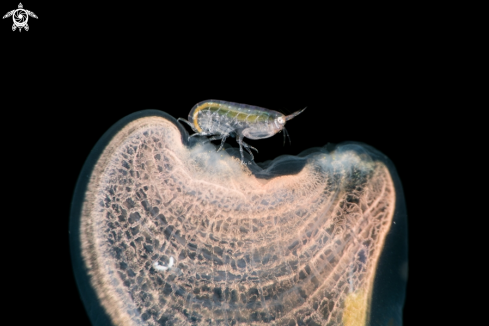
<point x="355" y="313"/>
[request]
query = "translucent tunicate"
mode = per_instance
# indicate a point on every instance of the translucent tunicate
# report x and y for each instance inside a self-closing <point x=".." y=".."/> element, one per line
<point x="167" y="232"/>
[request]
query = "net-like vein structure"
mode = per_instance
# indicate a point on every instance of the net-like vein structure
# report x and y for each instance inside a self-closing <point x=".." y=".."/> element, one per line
<point x="173" y="235"/>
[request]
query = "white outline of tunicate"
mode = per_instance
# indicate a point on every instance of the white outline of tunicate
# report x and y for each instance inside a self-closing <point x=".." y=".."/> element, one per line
<point x="159" y="267"/>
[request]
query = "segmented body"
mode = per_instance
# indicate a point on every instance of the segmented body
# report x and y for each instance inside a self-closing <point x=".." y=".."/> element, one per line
<point x="222" y="119"/>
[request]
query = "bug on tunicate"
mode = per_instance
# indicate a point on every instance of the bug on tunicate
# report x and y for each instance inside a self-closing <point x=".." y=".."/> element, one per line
<point x="221" y="119"/>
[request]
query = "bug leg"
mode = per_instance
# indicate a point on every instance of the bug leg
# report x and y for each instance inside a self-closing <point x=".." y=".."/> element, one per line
<point x="286" y="132"/>
<point x="251" y="154"/>
<point x="196" y="134"/>
<point x="223" y="137"/>
<point x="200" y="134"/>
<point x="240" y="142"/>
<point x="191" y="125"/>
<point x="222" y="142"/>
<point x="211" y="139"/>
<point x="249" y="146"/>
<point x="193" y="128"/>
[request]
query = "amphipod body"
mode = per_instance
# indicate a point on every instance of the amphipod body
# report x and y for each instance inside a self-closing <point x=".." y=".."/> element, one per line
<point x="221" y="119"/>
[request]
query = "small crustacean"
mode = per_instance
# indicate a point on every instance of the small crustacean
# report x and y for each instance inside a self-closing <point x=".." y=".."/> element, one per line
<point x="222" y="119"/>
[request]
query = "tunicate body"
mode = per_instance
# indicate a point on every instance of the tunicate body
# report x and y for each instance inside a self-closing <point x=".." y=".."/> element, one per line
<point x="167" y="231"/>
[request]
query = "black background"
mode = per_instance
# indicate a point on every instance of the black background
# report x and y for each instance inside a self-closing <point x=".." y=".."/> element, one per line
<point x="78" y="70"/>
